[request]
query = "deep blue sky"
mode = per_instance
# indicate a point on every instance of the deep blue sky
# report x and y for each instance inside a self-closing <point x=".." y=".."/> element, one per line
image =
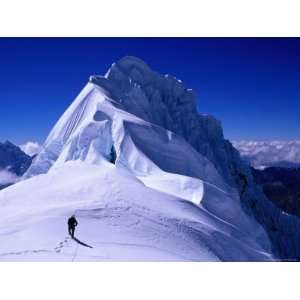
<point x="251" y="85"/>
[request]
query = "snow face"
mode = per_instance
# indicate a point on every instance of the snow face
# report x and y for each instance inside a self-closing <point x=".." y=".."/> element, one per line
<point x="168" y="196"/>
<point x="165" y="101"/>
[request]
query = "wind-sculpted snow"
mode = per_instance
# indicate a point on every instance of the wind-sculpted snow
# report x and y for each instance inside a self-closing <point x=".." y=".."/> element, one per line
<point x="118" y="216"/>
<point x="165" y="101"/>
<point x="176" y="190"/>
<point x="171" y="153"/>
<point x="182" y="223"/>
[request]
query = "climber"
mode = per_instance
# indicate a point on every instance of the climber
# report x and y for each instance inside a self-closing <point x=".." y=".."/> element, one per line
<point x="113" y="155"/>
<point x="72" y="223"/>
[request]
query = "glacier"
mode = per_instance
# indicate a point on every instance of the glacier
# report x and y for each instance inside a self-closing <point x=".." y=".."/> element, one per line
<point x="177" y="190"/>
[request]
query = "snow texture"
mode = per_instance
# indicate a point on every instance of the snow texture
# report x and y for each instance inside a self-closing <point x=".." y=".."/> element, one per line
<point x="172" y="194"/>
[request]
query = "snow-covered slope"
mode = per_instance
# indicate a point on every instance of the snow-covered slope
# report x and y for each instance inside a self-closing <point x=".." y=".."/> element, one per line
<point x="118" y="216"/>
<point x="167" y="197"/>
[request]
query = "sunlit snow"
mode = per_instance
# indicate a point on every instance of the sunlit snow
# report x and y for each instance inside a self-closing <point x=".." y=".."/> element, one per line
<point x="161" y="200"/>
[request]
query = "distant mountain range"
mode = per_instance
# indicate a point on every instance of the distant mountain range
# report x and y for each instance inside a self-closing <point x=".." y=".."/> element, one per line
<point x="276" y="168"/>
<point x="264" y="154"/>
<point x="13" y="163"/>
<point x="281" y="186"/>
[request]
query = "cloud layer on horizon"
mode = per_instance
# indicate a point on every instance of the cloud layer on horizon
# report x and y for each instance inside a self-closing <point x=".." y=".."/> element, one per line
<point x="261" y="154"/>
<point x="7" y="177"/>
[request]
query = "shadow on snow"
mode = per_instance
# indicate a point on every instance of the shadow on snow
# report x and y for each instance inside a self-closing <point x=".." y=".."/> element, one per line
<point x="81" y="243"/>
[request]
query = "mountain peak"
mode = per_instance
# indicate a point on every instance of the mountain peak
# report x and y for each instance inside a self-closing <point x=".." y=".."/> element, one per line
<point x="13" y="158"/>
<point x="133" y="139"/>
<point x="130" y="62"/>
<point x="130" y="69"/>
<point x="165" y="101"/>
<point x="7" y="143"/>
<point x="174" y="184"/>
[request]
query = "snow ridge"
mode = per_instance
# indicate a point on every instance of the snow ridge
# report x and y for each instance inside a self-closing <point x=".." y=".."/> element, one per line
<point x="173" y="193"/>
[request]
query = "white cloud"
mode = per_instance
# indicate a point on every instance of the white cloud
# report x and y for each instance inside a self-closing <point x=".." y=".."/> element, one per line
<point x="261" y="154"/>
<point x="7" y="177"/>
<point x="31" y="148"/>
